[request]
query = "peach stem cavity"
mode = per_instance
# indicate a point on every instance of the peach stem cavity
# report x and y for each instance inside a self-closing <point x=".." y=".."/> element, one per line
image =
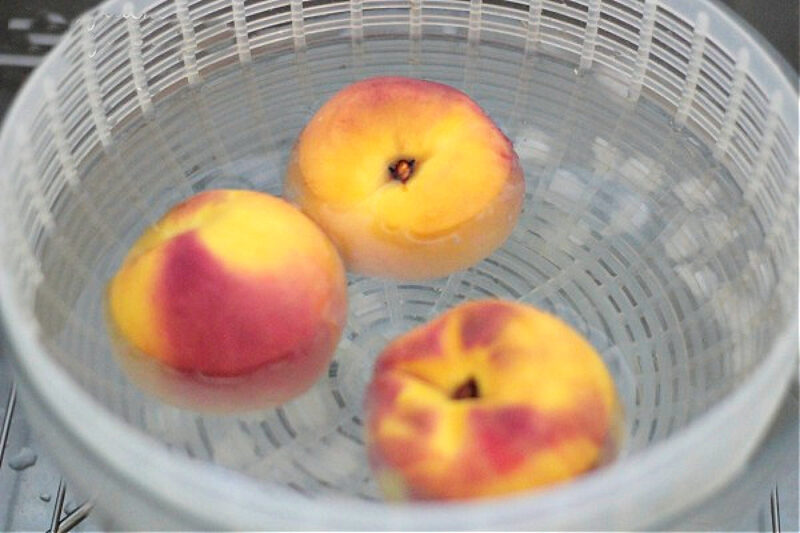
<point x="467" y="390"/>
<point x="402" y="170"/>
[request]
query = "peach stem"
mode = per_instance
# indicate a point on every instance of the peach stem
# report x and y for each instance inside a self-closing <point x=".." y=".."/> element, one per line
<point x="402" y="170"/>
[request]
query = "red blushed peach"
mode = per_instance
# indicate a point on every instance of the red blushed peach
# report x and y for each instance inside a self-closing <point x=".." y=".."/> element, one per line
<point x="487" y="399"/>
<point x="409" y="178"/>
<point x="234" y="298"/>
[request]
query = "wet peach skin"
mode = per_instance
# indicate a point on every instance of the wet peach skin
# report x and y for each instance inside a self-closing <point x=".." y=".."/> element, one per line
<point x="542" y="406"/>
<point x="459" y="204"/>
<point x="233" y="300"/>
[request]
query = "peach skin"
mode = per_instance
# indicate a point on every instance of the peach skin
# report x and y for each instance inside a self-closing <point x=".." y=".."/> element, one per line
<point x="488" y="399"/>
<point x="409" y="178"/>
<point x="231" y="290"/>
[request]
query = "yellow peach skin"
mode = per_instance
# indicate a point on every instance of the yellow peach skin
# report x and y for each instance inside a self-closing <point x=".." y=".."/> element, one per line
<point x="233" y="298"/>
<point x="409" y="178"/>
<point x="488" y="399"/>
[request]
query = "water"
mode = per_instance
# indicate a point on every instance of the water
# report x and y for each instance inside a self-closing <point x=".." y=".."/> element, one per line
<point x="599" y="243"/>
<point x="24" y="458"/>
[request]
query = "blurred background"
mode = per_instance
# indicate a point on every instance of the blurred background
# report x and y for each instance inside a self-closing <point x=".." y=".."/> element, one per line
<point x="33" y="495"/>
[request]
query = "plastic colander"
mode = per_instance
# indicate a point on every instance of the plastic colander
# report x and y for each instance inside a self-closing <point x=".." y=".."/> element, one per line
<point x="659" y="142"/>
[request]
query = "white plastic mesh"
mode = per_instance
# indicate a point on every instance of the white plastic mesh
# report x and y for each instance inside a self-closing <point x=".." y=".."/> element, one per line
<point x="660" y="218"/>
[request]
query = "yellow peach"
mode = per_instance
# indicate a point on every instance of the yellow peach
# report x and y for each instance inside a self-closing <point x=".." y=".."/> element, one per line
<point x="409" y="178"/>
<point x="490" y="398"/>
<point x="231" y="290"/>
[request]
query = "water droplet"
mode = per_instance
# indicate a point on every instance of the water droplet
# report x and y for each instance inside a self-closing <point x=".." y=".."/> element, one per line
<point x="675" y="125"/>
<point x="45" y="497"/>
<point x="25" y="458"/>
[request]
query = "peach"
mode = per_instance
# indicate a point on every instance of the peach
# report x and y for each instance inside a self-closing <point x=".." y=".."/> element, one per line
<point x="488" y="399"/>
<point x="233" y="298"/>
<point x="409" y="178"/>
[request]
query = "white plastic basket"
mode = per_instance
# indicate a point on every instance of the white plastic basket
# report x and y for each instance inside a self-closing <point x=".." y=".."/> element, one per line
<point x="659" y="141"/>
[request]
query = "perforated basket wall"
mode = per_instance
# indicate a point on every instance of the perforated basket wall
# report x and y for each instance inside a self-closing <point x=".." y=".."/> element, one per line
<point x="659" y="145"/>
